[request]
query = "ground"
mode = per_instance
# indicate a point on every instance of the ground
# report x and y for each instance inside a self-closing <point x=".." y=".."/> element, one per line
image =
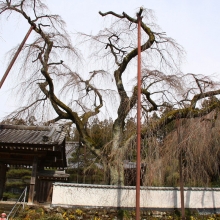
<point x="61" y="213"/>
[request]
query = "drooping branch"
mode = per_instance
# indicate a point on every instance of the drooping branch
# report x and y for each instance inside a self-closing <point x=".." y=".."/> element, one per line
<point x="17" y="113"/>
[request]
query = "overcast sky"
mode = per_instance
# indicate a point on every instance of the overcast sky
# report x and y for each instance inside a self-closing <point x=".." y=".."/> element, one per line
<point x="193" y="24"/>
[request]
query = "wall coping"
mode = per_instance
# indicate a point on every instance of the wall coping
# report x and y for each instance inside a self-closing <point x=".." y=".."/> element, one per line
<point x="134" y="187"/>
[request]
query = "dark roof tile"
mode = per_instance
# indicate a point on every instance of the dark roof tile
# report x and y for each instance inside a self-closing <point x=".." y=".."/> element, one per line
<point x="41" y="135"/>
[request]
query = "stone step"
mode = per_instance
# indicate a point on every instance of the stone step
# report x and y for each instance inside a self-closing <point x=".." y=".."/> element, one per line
<point x="6" y="206"/>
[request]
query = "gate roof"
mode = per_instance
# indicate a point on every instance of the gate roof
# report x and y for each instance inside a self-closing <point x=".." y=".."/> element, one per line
<point x="19" y="145"/>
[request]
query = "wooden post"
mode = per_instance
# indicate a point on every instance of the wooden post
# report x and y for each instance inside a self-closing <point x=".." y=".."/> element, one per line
<point x="33" y="182"/>
<point x="49" y="196"/>
<point x="183" y="217"/>
<point x="2" y="179"/>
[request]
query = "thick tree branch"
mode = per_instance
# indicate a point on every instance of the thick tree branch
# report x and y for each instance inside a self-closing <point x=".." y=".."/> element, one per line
<point x="203" y="95"/>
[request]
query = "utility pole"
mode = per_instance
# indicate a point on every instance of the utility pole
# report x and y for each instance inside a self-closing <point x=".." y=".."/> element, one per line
<point x="138" y="162"/>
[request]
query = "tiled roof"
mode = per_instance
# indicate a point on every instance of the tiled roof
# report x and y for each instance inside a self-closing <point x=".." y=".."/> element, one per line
<point x="20" y="145"/>
<point x="40" y="135"/>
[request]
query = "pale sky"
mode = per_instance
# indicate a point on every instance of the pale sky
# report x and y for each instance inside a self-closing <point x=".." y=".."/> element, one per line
<point x="194" y="24"/>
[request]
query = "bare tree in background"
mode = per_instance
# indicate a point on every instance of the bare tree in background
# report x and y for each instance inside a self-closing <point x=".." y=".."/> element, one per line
<point x="53" y="78"/>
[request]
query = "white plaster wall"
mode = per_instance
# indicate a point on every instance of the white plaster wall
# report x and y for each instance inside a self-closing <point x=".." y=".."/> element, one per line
<point x="66" y="194"/>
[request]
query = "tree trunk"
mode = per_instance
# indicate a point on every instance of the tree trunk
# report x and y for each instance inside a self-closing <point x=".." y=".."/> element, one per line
<point x="116" y="169"/>
<point x="116" y="165"/>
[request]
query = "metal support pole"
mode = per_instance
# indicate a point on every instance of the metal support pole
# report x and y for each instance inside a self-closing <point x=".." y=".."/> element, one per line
<point x="15" y="56"/>
<point x="25" y="194"/>
<point x="138" y="164"/>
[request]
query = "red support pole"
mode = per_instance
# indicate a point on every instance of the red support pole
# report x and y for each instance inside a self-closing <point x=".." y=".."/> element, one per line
<point x="138" y="164"/>
<point x="15" y="56"/>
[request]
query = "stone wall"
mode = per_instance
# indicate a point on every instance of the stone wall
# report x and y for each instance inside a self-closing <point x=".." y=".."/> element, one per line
<point x="67" y="194"/>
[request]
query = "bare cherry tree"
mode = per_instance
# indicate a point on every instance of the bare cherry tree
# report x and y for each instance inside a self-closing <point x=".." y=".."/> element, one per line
<point x="52" y="77"/>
